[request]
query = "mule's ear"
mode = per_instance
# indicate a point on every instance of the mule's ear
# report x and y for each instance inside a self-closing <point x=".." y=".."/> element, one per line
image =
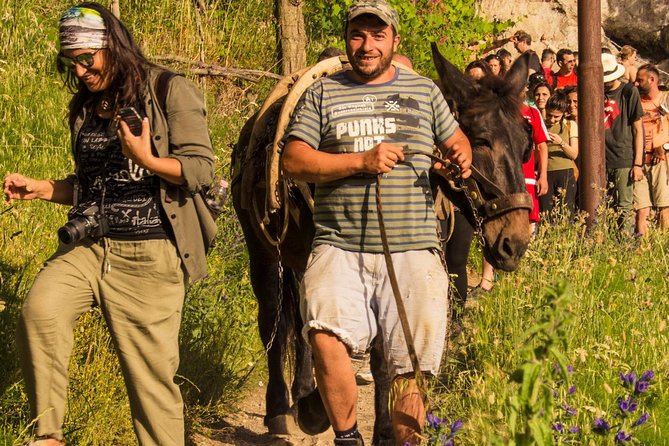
<point x="517" y="75"/>
<point x="454" y="82"/>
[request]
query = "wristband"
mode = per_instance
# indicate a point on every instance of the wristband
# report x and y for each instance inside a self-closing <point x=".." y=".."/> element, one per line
<point x="638" y="165"/>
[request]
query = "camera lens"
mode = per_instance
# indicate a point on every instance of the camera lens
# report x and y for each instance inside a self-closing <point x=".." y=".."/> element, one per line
<point x="73" y="231"/>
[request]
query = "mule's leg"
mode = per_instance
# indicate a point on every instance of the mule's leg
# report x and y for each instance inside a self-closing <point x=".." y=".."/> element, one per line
<point x="272" y="326"/>
<point x="303" y="381"/>
<point x="383" y="428"/>
<point x="265" y="282"/>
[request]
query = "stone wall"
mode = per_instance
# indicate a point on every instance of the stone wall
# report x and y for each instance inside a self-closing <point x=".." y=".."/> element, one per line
<point x="644" y="24"/>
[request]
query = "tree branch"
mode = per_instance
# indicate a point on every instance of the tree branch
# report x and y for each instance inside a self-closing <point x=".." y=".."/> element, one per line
<point x="218" y="70"/>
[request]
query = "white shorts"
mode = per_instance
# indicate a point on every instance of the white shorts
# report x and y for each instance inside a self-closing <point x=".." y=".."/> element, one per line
<point x="349" y="294"/>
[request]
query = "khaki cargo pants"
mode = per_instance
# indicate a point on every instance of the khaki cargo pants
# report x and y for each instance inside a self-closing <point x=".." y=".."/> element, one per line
<point x="139" y="286"/>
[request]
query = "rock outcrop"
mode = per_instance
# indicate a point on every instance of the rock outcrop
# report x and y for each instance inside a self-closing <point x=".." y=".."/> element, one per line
<point x="644" y="24"/>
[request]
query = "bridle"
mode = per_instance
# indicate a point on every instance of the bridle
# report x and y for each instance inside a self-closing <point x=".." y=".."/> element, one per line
<point x="482" y="209"/>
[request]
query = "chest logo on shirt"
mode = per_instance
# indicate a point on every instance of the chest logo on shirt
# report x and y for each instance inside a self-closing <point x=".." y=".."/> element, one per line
<point x="611" y="112"/>
<point x="367" y="132"/>
<point x="366" y="105"/>
<point x="392" y="106"/>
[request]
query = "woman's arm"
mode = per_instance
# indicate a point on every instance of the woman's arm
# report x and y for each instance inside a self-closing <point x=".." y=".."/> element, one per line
<point x="20" y="187"/>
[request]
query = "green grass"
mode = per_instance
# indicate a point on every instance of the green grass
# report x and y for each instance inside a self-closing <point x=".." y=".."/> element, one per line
<point x="618" y="297"/>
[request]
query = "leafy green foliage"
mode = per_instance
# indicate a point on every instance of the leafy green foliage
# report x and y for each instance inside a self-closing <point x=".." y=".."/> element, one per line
<point x="453" y="24"/>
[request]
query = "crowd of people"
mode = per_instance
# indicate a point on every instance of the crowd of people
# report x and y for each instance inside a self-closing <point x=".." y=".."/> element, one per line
<point x="636" y="120"/>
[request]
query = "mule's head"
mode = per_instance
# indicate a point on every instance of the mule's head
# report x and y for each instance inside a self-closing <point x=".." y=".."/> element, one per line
<point x="489" y="114"/>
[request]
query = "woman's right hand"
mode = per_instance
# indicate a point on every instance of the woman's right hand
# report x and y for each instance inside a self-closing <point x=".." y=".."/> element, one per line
<point x="19" y="187"/>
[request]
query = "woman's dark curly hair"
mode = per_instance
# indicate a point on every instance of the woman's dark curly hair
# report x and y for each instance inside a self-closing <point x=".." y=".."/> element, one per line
<point x="125" y="65"/>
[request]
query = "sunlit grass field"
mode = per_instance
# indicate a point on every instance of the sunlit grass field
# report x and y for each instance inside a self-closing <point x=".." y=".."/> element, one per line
<point x="615" y="307"/>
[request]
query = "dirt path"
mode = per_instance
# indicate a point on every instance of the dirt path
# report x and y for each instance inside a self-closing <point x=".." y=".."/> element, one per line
<point x="246" y="428"/>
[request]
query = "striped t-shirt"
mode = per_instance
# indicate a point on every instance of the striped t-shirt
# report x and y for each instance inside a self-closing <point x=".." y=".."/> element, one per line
<point x="338" y="115"/>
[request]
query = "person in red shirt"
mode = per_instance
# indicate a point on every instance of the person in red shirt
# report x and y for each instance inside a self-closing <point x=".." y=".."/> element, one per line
<point x="547" y="61"/>
<point x="566" y="75"/>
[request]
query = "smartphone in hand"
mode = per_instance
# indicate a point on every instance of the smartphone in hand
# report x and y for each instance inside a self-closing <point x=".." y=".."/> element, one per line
<point x="130" y="116"/>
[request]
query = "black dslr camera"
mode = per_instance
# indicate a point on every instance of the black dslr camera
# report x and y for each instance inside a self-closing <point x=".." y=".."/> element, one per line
<point x="84" y="220"/>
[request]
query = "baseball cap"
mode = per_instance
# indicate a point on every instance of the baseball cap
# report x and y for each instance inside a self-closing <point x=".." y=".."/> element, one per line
<point x="379" y="8"/>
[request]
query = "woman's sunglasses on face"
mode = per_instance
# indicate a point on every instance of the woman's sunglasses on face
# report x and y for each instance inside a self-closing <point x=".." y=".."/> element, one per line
<point x="86" y="60"/>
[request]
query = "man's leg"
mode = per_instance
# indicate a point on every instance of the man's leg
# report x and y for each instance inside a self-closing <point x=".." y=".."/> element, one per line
<point x="335" y="379"/>
<point x="335" y="301"/>
<point x="642" y="220"/>
<point x="642" y="204"/>
<point x="423" y="284"/>
<point x="663" y="218"/>
<point x="623" y="193"/>
<point x="659" y="185"/>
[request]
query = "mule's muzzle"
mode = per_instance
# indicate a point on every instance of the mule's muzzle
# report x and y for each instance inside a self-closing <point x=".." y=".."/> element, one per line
<point x="506" y="239"/>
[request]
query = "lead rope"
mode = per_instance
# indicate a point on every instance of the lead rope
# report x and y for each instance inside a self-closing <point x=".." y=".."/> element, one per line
<point x="401" y="310"/>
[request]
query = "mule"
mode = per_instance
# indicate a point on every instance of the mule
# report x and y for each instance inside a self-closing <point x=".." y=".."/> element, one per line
<point x="495" y="201"/>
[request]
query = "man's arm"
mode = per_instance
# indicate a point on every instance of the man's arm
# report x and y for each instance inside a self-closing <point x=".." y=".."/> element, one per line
<point x="303" y="162"/>
<point x="636" y="174"/>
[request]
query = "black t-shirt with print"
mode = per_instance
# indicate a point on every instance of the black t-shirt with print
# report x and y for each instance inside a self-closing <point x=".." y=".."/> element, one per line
<point x="131" y="193"/>
<point x="622" y="110"/>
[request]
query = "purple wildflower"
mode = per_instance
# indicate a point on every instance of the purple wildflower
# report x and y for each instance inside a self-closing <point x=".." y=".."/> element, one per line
<point x="572" y="390"/>
<point x="641" y="386"/>
<point x="571" y="411"/>
<point x="570" y="368"/>
<point x="574" y="429"/>
<point x="647" y="375"/>
<point x="601" y="426"/>
<point x="628" y="379"/>
<point x="642" y="420"/>
<point x="626" y="406"/>
<point x="622" y="437"/>
<point x="449" y="443"/>
<point x="433" y="421"/>
<point x="558" y="427"/>
<point x="456" y="426"/>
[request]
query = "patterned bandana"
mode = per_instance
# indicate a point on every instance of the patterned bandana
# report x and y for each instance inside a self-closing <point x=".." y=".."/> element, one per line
<point x="82" y="28"/>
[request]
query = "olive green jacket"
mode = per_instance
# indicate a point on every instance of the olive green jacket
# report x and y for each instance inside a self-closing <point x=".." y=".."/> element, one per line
<point x="181" y="134"/>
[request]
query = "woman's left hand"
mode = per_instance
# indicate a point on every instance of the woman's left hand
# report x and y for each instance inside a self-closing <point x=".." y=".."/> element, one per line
<point x="137" y="148"/>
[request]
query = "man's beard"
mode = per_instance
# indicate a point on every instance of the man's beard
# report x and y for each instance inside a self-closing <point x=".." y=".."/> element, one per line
<point x="372" y="73"/>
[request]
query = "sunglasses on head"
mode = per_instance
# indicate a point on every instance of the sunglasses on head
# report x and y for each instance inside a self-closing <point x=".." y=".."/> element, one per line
<point x="86" y="60"/>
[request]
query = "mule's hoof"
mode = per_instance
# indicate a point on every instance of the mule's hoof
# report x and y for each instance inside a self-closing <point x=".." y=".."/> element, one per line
<point x="282" y="425"/>
<point x="311" y="415"/>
